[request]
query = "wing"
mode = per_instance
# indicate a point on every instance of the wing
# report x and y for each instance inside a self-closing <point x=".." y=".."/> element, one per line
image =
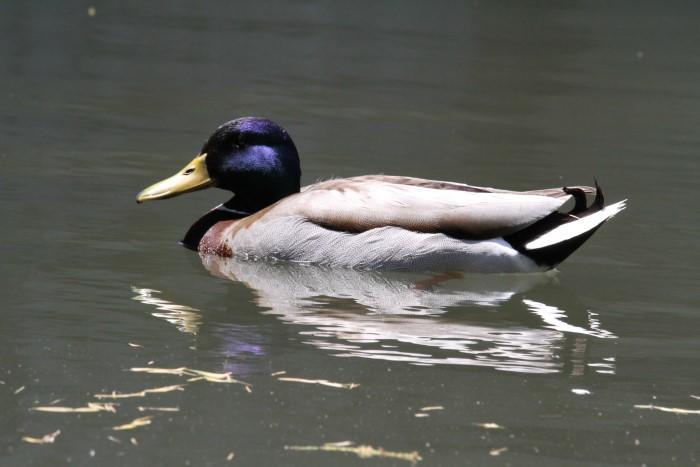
<point x="363" y="203"/>
<point x="442" y="185"/>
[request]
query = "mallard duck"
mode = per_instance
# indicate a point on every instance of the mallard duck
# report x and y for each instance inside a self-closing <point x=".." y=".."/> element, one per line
<point x="372" y="221"/>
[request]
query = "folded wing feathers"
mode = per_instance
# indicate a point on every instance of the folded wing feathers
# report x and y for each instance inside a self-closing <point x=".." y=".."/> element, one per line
<point x="357" y="205"/>
<point x="445" y="185"/>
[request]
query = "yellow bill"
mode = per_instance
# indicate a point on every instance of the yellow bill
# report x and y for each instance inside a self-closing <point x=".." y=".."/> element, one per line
<point x="192" y="178"/>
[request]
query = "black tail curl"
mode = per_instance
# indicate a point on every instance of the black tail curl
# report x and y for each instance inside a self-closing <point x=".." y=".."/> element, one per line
<point x="550" y="256"/>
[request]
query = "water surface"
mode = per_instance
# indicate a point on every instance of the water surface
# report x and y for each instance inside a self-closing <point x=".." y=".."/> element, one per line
<point x="94" y="108"/>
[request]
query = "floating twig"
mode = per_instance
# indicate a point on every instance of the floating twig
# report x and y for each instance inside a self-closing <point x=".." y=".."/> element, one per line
<point x="322" y="382"/>
<point x="46" y="439"/>
<point x="362" y="451"/>
<point x="195" y="375"/>
<point x="136" y="423"/>
<point x="160" y="390"/>
<point x="668" y="409"/>
<point x="158" y="409"/>
<point x="161" y="371"/>
<point x="91" y="407"/>
<point x="489" y="426"/>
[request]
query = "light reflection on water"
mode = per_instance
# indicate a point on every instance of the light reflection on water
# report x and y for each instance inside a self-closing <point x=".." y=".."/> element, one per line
<point x="185" y="318"/>
<point x="416" y="319"/>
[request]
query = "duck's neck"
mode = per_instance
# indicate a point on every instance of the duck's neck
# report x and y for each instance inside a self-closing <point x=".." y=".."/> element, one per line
<point x="207" y="221"/>
<point x="250" y="204"/>
<point x="238" y="207"/>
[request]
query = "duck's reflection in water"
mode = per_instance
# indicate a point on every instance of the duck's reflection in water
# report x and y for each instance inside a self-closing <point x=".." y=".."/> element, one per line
<point x="241" y="345"/>
<point x="421" y="319"/>
<point x="185" y="318"/>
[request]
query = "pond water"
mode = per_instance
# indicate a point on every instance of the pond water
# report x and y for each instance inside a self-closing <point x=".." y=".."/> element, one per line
<point x="569" y="368"/>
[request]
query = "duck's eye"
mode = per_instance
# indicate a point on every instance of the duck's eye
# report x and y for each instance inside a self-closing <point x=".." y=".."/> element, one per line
<point x="188" y="171"/>
<point x="239" y="143"/>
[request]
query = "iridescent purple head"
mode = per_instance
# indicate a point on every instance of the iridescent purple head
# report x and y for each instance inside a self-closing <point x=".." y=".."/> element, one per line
<point x="256" y="159"/>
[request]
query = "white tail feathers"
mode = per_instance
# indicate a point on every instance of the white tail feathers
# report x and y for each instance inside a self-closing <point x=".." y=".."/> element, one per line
<point x="574" y="229"/>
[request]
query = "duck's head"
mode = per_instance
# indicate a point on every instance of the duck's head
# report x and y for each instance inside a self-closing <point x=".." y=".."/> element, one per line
<point x="252" y="157"/>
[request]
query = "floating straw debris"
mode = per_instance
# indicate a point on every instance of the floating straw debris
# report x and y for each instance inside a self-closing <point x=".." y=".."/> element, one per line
<point x="322" y="382"/>
<point x="91" y="407"/>
<point x="158" y="409"/>
<point x="195" y="375"/>
<point x="160" y="390"/>
<point x="489" y="426"/>
<point x="362" y="451"/>
<point x="46" y="439"/>
<point x="139" y="422"/>
<point x="161" y="371"/>
<point x="668" y="409"/>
